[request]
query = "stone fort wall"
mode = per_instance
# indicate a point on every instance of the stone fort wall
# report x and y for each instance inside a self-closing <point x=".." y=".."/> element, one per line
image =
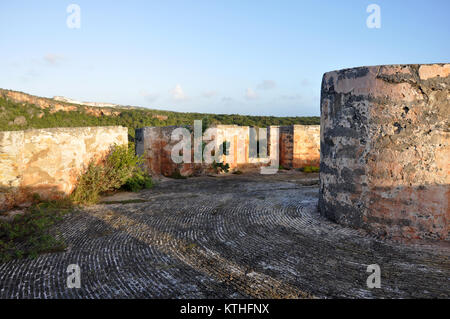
<point x="385" y="151"/>
<point x="298" y="146"/>
<point x="49" y="161"/>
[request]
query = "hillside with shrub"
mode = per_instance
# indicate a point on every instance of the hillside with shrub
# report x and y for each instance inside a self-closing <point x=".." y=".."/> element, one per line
<point x="20" y="111"/>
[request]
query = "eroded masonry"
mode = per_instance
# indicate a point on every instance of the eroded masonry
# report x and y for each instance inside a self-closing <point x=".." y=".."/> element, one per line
<point x="292" y="147"/>
<point x="48" y="162"/>
<point x="385" y="149"/>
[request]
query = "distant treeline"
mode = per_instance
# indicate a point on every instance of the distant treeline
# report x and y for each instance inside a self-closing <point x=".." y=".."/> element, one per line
<point x="21" y="116"/>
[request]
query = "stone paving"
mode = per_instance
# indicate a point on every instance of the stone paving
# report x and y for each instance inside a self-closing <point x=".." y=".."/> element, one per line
<point x="239" y="236"/>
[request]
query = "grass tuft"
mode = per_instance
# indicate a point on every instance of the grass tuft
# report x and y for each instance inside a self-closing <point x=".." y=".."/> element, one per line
<point x="29" y="234"/>
<point x="310" y="169"/>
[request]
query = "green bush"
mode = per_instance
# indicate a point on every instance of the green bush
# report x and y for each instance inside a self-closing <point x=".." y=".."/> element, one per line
<point x="28" y="234"/>
<point x="220" y="167"/>
<point x="90" y="185"/>
<point x="121" y="167"/>
<point x="137" y="182"/>
<point x="310" y="169"/>
<point x="226" y="148"/>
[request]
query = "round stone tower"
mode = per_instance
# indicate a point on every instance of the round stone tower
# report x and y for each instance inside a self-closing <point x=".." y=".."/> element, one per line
<point x="385" y="154"/>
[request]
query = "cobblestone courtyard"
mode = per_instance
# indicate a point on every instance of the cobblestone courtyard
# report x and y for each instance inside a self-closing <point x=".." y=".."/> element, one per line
<point x="225" y="237"/>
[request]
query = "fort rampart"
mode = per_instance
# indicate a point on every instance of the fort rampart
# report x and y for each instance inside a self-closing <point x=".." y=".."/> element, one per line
<point x="297" y="146"/>
<point x="48" y="162"/>
<point x="385" y="150"/>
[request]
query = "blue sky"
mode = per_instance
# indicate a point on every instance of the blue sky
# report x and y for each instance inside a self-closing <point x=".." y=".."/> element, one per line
<point x="236" y="56"/>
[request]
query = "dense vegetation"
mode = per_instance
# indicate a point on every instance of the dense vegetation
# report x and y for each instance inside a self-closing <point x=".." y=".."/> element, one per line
<point x="36" y="117"/>
<point x="29" y="234"/>
<point x="120" y="169"/>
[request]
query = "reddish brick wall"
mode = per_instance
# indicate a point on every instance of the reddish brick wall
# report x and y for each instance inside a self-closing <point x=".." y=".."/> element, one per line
<point x="156" y="145"/>
<point x="299" y="145"/>
<point x="238" y="138"/>
<point x="306" y="147"/>
<point x="286" y="146"/>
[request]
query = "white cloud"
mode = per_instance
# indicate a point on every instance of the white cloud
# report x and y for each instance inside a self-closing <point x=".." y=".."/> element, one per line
<point x="250" y="94"/>
<point x="266" y="85"/>
<point x="178" y="93"/>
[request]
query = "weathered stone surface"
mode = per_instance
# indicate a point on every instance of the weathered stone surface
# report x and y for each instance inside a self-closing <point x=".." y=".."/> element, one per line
<point x="246" y="236"/>
<point x="385" y="149"/>
<point x="286" y="146"/>
<point x="155" y="145"/>
<point x="238" y="140"/>
<point x="49" y="161"/>
<point x="298" y="146"/>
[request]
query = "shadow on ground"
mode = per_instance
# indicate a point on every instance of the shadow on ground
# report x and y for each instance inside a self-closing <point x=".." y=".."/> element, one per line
<point x="225" y="237"/>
